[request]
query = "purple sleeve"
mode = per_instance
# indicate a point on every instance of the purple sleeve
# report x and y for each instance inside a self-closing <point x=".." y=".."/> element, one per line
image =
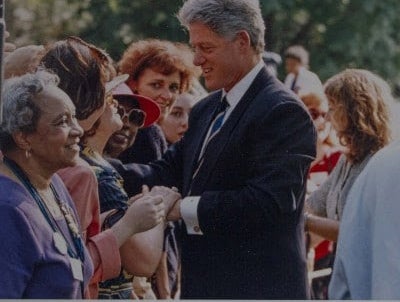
<point x="18" y="252"/>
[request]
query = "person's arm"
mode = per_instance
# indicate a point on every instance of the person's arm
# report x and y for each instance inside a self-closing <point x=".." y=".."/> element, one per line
<point x="18" y="253"/>
<point x="142" y="215"/>
<point x="162" y="281"/>
<point x="315" y="218"/>
<point x="166" y="172"/>
<point x="279" y="149"/>
<point x="325" y="227"/>
<point x="141" y="254"/>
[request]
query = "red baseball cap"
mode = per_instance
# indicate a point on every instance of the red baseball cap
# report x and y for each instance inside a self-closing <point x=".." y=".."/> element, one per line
<point x="146" y="104"/>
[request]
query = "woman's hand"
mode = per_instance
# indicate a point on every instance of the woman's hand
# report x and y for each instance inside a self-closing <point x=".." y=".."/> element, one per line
<point x="144" y="214"/>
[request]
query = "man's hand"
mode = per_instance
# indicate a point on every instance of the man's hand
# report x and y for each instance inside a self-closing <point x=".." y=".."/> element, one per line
<point x="170" y="196"/>
<point x="175" y="213"/>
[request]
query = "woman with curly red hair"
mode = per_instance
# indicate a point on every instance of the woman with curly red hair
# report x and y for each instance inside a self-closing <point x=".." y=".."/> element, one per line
<point x="160" y="70"/>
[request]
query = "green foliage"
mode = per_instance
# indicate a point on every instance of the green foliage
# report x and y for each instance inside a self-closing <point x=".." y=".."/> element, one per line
<point x="338" y="33"/>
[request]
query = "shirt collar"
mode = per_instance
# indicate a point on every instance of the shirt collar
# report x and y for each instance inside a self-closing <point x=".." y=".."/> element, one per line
<point x="236" y="93"/>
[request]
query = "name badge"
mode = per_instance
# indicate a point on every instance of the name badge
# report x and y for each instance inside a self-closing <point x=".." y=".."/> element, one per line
<point x="76" y="267"/>
<point x="59" y="243"/>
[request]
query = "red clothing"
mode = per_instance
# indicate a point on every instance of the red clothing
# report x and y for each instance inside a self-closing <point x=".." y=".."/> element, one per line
<point x="326" y="164"/>
<point x="103" y="247"/>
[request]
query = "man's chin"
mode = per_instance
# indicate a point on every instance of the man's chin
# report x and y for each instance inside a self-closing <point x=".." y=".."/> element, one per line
<point x="212" y="85"/>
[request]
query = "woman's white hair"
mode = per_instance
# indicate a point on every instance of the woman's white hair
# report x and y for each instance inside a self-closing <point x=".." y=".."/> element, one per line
<point x="19" y="107"/>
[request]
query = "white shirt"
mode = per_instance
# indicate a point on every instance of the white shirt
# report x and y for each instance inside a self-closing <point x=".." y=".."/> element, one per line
<point x="189" y="204"/>
<point x="306" y="82"/>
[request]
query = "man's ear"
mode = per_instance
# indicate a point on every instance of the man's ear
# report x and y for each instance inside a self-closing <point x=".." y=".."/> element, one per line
<point x="22" y="140"/>
<point x="243" y="39"/>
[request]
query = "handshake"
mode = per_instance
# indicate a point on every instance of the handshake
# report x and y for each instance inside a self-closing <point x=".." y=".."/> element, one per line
<point x="170" y="199"/>
<point x="148" y="209"/>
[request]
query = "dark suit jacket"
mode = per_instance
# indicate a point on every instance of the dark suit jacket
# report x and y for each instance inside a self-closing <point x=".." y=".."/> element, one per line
<point x="252" y="187"/>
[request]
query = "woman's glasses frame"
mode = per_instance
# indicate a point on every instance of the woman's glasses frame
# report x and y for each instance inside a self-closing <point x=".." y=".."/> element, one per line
<point x="135" y="116"/>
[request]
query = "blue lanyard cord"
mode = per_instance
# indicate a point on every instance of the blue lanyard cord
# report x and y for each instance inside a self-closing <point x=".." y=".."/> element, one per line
<point x="72" y="226"/>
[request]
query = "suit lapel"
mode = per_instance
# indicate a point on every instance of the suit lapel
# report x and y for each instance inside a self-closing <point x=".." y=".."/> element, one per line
<point x="195" y="145"/>
<point x="216" y="146"/>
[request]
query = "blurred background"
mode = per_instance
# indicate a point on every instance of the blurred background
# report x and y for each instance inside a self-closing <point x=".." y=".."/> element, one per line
<point x="337" y="33"/>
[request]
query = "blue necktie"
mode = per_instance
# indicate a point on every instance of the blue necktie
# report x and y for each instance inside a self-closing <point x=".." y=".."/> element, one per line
<point x="218" y="119"/>
<point x="215" y="126"/>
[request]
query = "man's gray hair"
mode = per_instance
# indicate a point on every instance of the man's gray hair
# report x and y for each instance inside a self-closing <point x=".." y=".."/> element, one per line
<point x="20" y="109"/>
<point x="227" y="18"/>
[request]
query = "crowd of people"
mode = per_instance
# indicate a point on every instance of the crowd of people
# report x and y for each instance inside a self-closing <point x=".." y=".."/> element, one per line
<point x="129" y="180"/>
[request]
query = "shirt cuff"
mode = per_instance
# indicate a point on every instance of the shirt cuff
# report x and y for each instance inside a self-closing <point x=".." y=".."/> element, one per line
<point x="108" y="254"/>
<point x="189" y="214"/>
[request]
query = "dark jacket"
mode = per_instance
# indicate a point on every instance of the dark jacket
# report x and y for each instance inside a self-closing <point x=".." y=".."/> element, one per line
<point x="150" y="145"/>
<point x="252" y="186"/>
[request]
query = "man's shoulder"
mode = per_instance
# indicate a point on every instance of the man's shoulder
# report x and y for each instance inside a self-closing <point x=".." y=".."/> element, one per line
<point x="275" y="92"/>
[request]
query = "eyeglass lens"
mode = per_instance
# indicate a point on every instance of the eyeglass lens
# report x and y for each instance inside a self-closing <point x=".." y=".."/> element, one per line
<point x="135" y="116"/>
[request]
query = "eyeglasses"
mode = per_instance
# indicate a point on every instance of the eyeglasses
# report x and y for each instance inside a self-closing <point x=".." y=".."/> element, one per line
<point x="315" y="114"/>
<point x="135" y="116"/>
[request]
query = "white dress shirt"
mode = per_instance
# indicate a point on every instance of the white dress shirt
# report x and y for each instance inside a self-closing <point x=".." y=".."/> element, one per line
<point x="306" y="82"/>
<point x="189" y="204"/>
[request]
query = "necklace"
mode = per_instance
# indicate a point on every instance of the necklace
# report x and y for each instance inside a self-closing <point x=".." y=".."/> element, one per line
<point x="49" y="199"/>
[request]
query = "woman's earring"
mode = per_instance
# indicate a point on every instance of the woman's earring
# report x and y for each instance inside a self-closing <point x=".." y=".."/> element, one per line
<point x="28" y="153"/>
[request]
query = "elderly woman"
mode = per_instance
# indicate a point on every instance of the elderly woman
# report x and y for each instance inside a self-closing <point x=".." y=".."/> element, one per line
<point x="358" y="110"/>
<point x="84" y="70"/>
<point x="42" y="254"/>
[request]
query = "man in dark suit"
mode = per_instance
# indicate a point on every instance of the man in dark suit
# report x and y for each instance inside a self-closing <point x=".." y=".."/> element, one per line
<point x="241" y="168"/>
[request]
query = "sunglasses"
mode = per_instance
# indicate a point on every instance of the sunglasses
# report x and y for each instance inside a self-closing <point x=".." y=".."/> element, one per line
<point x="315" y="114"/>
<point x="135" y="116"/>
